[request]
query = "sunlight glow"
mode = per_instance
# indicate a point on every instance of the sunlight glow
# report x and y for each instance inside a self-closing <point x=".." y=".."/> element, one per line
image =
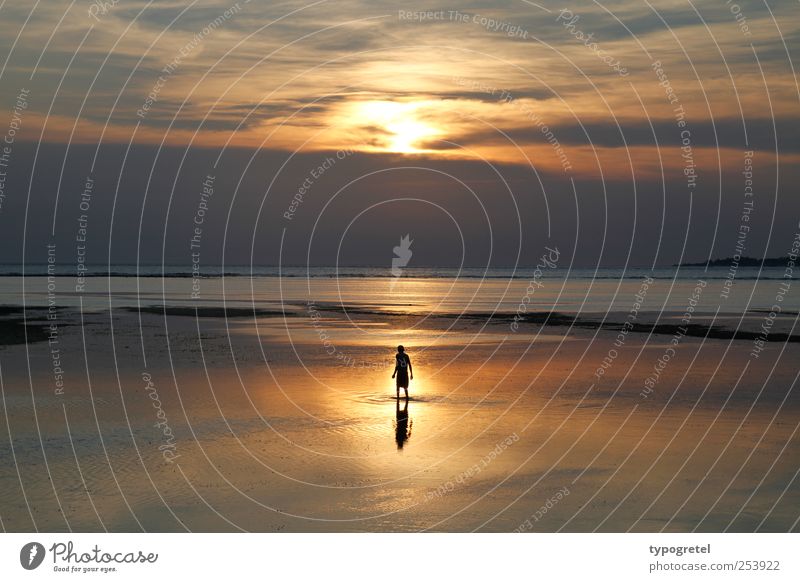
<point x="400" y="121"/>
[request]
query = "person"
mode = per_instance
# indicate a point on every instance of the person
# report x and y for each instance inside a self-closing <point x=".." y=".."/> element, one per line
<point x="402" y="370"/>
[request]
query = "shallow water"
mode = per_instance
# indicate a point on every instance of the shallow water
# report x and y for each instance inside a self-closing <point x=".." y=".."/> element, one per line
<point x="274" y="435"/>
<point x="579" y="291"/>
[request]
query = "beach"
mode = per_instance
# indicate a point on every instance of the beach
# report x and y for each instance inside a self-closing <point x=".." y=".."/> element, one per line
<point x="269" y="405"/>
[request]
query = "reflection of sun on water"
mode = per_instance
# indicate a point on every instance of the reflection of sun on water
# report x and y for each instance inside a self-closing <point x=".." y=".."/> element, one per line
<point x="400" y="121"/>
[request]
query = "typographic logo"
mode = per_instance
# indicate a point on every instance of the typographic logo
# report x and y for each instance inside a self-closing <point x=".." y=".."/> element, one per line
<point x="31" y="555"/>
<point x="402" y="256"/>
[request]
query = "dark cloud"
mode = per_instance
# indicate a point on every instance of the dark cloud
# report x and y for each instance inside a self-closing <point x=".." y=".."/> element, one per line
<point x="388" y="59"/>
<point x="723" y="133"/>
<point x="628" y="214"/>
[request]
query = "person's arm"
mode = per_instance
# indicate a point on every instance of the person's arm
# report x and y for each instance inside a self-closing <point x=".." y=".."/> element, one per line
<point x="410" y="369"/>
<point x="396" y="365"/>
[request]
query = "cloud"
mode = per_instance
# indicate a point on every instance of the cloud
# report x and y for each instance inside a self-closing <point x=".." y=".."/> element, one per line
<point x="289" y="71"/>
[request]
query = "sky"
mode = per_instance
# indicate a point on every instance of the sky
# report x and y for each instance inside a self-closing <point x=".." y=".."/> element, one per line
<point x="628" y="133"/>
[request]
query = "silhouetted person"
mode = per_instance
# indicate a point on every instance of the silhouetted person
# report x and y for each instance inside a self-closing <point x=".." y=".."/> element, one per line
<point x="402" y="427"/>
<point x="402" y="370"/>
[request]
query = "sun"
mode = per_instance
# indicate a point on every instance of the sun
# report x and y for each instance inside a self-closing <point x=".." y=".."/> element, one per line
<point x="407" y="133"/>
<point x="404" y="131"/>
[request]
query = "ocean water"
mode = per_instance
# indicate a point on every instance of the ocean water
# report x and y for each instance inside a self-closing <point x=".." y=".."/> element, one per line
<point x="417" y="291"/>
<point x="280" y="429"/>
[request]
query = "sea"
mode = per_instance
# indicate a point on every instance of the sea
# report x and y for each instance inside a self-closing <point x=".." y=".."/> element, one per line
<point x="418" y="290"/>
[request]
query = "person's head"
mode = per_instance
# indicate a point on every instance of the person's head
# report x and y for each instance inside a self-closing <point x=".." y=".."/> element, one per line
<point x="400" y="349"/>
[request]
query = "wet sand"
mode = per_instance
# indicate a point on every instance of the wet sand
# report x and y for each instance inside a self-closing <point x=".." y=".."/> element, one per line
<point x="227" y="422"/>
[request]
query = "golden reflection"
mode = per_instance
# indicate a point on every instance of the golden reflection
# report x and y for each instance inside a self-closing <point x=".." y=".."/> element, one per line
<point x="402" y="424"/>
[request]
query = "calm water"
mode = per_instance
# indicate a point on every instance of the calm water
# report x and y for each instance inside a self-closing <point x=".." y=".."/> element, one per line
<point x="280" y="431"/>
<point x="419" y="290"/>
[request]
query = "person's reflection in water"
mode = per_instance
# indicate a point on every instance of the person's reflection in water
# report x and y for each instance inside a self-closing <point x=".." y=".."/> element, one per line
<point x="402" y="426"/>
